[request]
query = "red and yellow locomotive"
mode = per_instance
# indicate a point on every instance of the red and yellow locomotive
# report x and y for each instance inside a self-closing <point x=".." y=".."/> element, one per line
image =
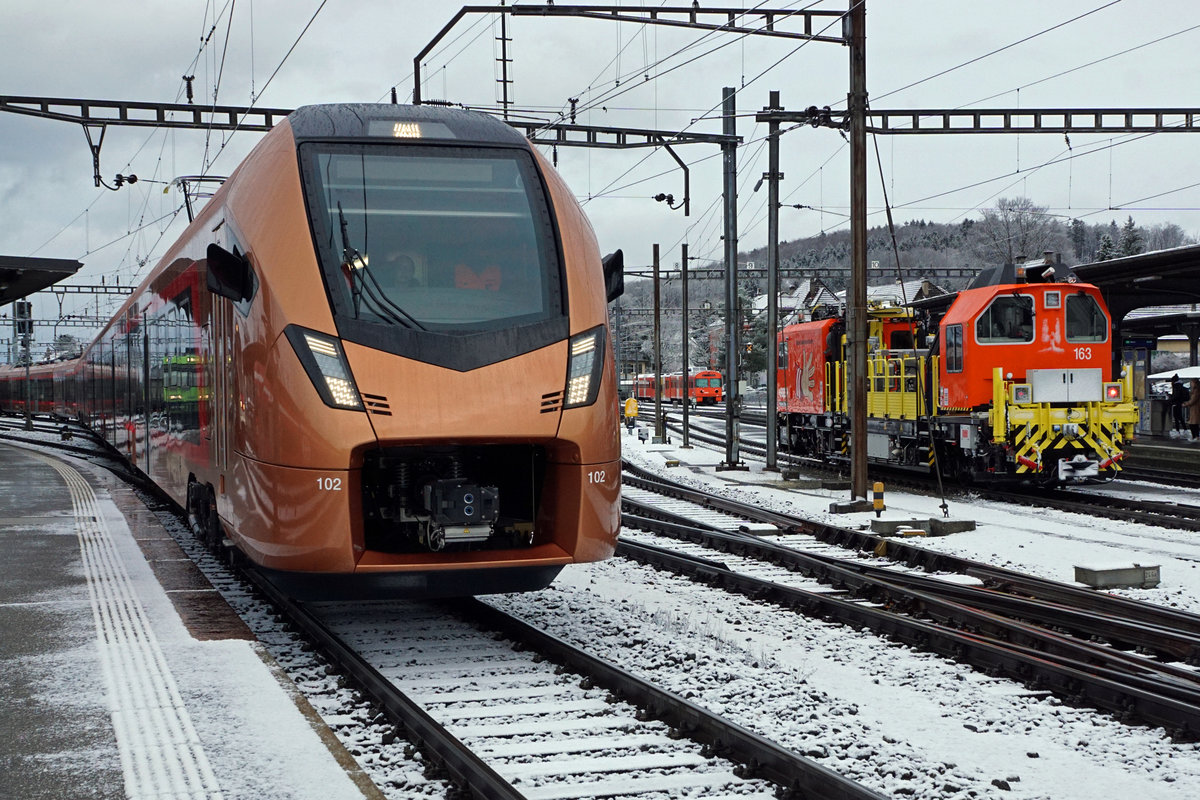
<point x="1010" y="381"/>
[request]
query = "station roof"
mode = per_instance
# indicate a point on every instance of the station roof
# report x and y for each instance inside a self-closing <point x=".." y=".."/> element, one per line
<point x="1168" y="322"/>
<point x="21" y="276"/>
<point x="1161" y="278"/>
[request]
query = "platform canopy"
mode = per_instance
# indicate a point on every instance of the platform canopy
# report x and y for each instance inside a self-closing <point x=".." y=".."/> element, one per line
<point x="1184" y="373"/>
<point x="1161" y="278"/>
<point x="21" y="277"/>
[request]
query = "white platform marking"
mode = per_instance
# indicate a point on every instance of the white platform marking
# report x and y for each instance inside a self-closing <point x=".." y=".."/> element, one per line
<point x="161" y="755"/>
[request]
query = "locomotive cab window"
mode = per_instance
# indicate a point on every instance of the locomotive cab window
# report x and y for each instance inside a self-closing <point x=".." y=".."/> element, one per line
<point x="1007" y="320"/>
<point x="1086" y="321"/>
<point x="781" y="360"/>
<point x="954" y="348"/>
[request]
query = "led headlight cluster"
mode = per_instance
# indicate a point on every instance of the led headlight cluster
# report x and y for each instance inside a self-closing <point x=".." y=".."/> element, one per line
<point x="325" y="363"/>
<point x="585" y="368"/>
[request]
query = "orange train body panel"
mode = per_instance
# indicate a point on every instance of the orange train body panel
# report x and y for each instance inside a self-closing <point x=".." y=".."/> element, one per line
<point x="810" y="350"/>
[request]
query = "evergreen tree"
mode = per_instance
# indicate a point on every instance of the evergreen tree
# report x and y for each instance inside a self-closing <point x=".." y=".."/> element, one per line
<point x="1107" y="249"/>
<point x="1079" y="237"/>
<point x="1131" y="242"/>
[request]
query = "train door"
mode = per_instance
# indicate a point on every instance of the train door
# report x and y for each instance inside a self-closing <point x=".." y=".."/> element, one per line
<point x="110" y="394"/>
<point x="143" y="419"/>
<point x="222" y="354"/>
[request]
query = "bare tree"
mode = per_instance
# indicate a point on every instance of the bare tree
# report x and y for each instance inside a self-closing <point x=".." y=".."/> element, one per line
<point x="1166" y="235"/>
<point x="1017" y="228"/>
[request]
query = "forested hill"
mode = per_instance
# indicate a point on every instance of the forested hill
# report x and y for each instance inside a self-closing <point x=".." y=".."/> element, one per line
<point x="1012" y="231"/>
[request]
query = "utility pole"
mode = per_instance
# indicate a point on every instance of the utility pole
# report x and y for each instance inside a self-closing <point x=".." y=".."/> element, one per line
<point x="28" y="384"/>
<point x="856" y="301"/>
<point x="659" y="428"/>
<point x="687" y="368"/>
<point x="504" y="61"/>
<point x="618" y="345"/>
<point x="773" y="177"/>
<point x="729" y="151"/>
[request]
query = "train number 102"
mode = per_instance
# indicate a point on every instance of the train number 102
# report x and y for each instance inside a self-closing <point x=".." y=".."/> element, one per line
<point x="596" y="476"/>
<point x="329" y="484"/>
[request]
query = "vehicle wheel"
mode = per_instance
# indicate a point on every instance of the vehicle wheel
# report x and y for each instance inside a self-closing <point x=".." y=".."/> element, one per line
<point x="214" y="535"/>
<point x="195" y="511"/>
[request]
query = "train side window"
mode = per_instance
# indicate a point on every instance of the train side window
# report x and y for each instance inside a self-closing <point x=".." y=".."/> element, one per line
<point x="1086" y="321"/>
<point x="782" y="359"/>
<point x="1007" y="320"/>
<point x="954" y="348"/>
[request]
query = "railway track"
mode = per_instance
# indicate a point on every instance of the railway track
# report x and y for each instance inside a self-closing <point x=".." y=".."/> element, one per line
<point x="1031" y="630"/>
<point x="503" y="710"/>
<point x="1164" y="476"/>
<point x="1181" y="516"/>
<point x="1175" y="515"/>
<point x="511" y="712"/>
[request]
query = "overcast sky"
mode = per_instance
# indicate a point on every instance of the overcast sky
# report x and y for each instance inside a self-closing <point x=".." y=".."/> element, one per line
<point x="920" y="54"/>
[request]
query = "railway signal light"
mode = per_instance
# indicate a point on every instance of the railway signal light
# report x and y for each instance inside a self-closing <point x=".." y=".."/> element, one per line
<point x="23" y="317"/>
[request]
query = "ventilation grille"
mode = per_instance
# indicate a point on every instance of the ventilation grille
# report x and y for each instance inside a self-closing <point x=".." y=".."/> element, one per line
<point x="552" y="402"/>
<point x="377" y="405"/>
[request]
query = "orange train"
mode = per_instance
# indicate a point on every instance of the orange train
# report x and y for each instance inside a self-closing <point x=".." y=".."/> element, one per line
<point x="704" y="387"/>
<point x="1014" y="381"/>
<point x="378" y="355"/>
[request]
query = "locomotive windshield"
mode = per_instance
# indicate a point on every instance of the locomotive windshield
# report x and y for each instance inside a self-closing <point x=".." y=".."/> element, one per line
<point x="1086" y="322"/>
<point x="442" y="239"/>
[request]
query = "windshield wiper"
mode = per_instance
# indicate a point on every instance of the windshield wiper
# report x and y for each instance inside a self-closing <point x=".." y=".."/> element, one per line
<point x="376" y="298"/>
<point x="350" y="256"/>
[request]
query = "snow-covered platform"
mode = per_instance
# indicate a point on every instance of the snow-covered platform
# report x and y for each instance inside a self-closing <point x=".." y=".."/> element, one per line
<point x="123" y="673"/>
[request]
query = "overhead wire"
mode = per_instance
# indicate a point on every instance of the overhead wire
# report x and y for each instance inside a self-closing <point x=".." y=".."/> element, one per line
<point x="275" y="72"/>
<point x="991" y="53"/>
<point x="1070" y="156"/>
<point x="794" y="50"/>
<point x="205" y="42"/>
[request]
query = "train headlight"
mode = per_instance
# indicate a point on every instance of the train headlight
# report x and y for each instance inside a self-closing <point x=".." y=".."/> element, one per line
<point x="585" y="367"/>
<point x="1113" y="392"/>
<point x="326" y="366"/>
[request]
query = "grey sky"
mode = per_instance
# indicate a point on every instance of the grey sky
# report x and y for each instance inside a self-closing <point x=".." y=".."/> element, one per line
<point x="355" y="51"/>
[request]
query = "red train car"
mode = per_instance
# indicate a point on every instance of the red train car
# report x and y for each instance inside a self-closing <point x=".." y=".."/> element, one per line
<point x="1011" y="381"/>
<point x="321" y="368"/>
<point x="704" y="387"/>
<point x="44" y="393"/>
<point x="643" y="386"/>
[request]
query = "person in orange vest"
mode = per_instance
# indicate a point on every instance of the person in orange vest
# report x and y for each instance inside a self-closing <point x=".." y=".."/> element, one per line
<point x="630" y="412"/>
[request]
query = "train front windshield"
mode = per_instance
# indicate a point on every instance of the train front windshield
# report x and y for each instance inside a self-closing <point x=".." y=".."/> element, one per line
<point x="444" y="240"/>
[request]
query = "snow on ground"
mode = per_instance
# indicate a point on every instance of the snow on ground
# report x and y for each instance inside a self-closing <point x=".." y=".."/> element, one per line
<point x="907" y="723"/>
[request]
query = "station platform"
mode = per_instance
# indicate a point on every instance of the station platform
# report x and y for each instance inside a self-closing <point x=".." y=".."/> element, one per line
<point x="123" y="673"/>
<point x="1164" y="452"/>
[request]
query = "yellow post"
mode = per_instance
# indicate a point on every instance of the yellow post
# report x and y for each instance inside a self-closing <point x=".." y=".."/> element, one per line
<point x="877" y="497"/>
